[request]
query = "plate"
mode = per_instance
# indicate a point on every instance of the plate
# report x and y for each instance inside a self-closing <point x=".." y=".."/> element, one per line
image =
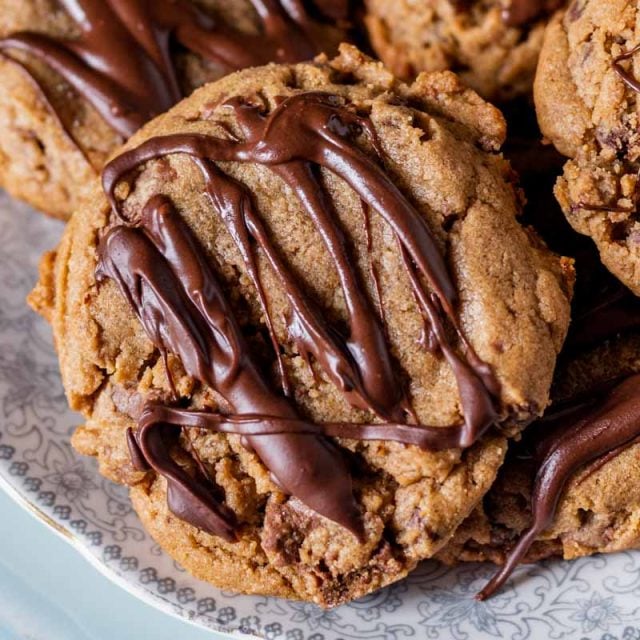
<point x="593" y="598"/>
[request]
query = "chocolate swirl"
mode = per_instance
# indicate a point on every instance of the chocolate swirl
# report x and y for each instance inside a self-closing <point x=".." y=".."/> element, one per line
<point x="122" y="61"/>
<point x="304" y="131"/>
<point x="588" y="433"/>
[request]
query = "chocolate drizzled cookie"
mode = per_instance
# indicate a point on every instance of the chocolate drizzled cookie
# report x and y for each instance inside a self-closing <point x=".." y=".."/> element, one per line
<point x="82" y="75"/>
<point x="298" y="336"/>
<point x="569" y="488"/>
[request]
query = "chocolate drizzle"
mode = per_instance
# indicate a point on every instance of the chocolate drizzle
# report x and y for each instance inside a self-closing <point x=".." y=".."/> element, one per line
<point x="169" y="283"/>
<point x="122" y="61"/>
<point x="627" y="77"/>
<point x="167" y="279"/>
<point x="258" y="425"/>
<point x="591" y="431"/>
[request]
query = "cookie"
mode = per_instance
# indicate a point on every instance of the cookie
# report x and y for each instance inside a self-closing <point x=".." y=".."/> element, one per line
<point x="586" y="96"/>
<point x="493" y="45"/>
<point x="78" y="77"/>
<point x="303" y="321"/>
<point x="570" y="488"/>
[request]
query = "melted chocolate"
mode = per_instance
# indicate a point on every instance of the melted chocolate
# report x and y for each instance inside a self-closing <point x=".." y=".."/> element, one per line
<point x="311" y="129"/>
<point x="262" y="425"/>
<point x="591" y="432"/>
<point x="627" y="77"/>
<point x="122" y="60"/>
<point x="171" y="286"/>
<point x="167" y="279"/>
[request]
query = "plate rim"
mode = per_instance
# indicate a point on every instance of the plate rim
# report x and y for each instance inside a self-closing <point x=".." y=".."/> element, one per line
<point x="79" y="547"/>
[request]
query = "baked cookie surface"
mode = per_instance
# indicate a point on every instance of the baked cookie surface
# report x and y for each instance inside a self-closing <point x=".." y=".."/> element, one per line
<point x="78" y="77"/>
<point x="493" y="45"/>
<point x="571" y="486"/>
<point x="599" y="503"/>
<point x="586" y="97"/>
<point x="365" y="228"/>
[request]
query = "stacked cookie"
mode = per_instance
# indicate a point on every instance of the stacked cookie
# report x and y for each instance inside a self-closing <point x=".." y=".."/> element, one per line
<point x="576" y="492"/>
<point x="80" y="76"/>
<point x="299" y="309"/>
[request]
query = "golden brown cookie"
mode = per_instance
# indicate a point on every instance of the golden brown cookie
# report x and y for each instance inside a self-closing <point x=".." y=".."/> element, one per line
<point x="570" y="488"/>
<point x="599" y="507"/>
<point x="307" y="323"/>
<point x="78" y="77"/>
<point x="493" y="45"/>
<point x="586" y="97"/>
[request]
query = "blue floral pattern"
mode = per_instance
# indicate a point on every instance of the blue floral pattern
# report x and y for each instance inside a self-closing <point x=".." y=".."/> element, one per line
<point x="590" y="599"/>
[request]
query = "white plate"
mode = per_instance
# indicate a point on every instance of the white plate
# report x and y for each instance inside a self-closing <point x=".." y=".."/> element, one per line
<point x="594" y="598"/>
